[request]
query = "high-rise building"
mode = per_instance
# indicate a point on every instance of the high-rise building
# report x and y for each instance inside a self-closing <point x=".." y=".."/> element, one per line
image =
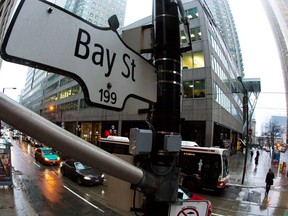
<point x="223" y="18"/>
<point x="277" y="13"/>
<point x="97" y="11"/>
<point x="211" y="107"/>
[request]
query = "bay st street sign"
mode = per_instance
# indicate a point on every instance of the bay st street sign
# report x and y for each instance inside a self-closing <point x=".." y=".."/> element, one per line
<point x="45" y="36"/>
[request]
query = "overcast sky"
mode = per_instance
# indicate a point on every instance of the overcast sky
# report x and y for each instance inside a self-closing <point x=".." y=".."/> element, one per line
<point x="258" y="50"/>
<point x="261" y="58"/>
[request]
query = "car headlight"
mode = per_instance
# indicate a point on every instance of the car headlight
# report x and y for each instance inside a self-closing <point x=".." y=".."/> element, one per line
<point x="46" y="159"/>
<point x="87" y="178"/>
<point x="102" y="176"/>
<point x="58" y="158"/>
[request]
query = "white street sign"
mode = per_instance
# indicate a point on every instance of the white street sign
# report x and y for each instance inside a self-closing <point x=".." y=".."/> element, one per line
<point x="189" y="207"/>
<point x="45" y="36"/>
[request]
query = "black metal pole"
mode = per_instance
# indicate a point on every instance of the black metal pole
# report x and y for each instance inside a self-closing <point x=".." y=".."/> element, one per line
<point x="166" y="112"/>
<point x="245" y="103"/>
<point x="245" y="132"/>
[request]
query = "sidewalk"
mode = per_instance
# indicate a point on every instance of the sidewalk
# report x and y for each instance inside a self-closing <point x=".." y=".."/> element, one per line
<point x="249" y="198"/>
<point x="255" y="175"/>
<point x="13" y="201"/>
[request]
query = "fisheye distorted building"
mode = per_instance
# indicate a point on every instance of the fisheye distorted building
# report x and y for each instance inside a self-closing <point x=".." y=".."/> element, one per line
<point x="211" y="106"/>
<point x="277" y="13"/>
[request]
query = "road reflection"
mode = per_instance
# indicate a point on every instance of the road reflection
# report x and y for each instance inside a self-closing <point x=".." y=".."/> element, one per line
<point x="50" y="186"/>
<point x="48" y="190"/>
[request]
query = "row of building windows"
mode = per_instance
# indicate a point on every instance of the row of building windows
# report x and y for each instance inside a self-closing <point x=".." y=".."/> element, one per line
<point x="221" y="98"/>
<point x="69" y="92"/>
<point x="218" y="50"/>
<point x="51" y="98"/>
<point x="51" y="88"/>
<point x="72" y="105"/>
<point x="65" y="81"/>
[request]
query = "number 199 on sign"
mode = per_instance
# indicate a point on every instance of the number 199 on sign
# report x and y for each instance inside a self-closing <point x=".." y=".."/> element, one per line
<point x="107" y="96"/>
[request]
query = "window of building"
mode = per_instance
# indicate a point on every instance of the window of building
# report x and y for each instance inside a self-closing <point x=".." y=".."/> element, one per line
<point x="52" y="76"/>
<point x="195" y="61"/>
<point x="192" y="13"/>
<point x="51" y="87"/>
<point x="183" y="38"/>
<point x="194" y="89"/>
<point x="50" y="98"/>
<point x="195" y="34"/>
<point x="65" y="81"/>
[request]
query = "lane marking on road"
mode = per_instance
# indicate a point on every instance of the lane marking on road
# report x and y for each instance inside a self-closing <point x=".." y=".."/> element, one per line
<point x="83" y="199"/>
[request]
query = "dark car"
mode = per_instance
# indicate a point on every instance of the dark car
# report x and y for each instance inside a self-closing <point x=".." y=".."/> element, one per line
<point x="46" y="156"/>
<point x="81" y="173"/>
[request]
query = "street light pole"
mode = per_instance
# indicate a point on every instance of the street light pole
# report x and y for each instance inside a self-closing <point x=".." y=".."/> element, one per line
<point x="245" y="118"/>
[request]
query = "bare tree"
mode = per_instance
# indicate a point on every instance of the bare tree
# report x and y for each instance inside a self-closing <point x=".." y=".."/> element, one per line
<point x="273" y="130"/>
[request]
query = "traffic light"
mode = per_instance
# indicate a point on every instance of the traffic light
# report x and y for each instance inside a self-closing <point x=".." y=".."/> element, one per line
<point x="238" y="145"/>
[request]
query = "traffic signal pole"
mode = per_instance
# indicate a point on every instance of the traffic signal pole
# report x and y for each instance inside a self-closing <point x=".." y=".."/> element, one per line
<point x="166" y="112"/>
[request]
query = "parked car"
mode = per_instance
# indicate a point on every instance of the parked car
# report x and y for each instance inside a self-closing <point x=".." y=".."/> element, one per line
<point x="81" y="173"/>
<point x="46" y="156"/>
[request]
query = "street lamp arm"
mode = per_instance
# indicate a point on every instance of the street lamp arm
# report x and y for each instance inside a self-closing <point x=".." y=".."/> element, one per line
<point x="3" y="90"/>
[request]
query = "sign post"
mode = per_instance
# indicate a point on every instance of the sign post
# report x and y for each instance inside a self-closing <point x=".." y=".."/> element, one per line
<point x="45" y="36"/>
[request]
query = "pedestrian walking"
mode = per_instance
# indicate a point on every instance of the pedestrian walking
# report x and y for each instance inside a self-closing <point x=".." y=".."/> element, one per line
<point x="251" y="154"/>
<point x="256" y="159"/>
<point x="269" y="180"/>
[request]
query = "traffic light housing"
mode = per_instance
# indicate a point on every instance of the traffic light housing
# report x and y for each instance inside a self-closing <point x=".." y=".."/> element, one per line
<point x="238" y="145"/>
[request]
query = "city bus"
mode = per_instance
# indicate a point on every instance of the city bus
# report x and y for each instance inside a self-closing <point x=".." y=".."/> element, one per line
<point x="115" y="144"/>
<point x="204" y="167"/>
<point x="201" y="167"/>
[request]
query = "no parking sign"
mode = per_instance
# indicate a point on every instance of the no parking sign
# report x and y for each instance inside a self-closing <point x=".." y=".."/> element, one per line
<point x="191" y="207"/>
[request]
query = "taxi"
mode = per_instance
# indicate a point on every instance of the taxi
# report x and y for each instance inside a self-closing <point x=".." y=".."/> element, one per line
<point x="47" y="156"/>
